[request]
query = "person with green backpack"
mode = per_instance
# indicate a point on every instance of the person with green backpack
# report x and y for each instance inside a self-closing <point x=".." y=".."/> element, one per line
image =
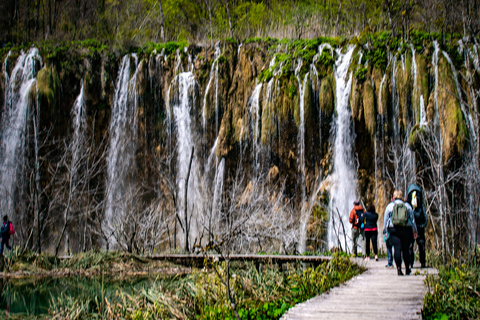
<point x="399" y="224"/>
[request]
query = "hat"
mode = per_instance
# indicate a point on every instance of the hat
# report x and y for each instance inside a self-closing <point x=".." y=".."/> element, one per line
<point x="356" y="202"/>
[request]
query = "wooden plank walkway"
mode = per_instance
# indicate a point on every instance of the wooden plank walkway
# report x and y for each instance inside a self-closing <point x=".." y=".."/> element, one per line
<point x="378" y="293"/>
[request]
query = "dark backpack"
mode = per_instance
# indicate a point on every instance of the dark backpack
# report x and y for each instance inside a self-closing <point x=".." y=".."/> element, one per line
<point x="360" y="223"/>
<point x="399" y="215"/>
<point x="415" y="198"/>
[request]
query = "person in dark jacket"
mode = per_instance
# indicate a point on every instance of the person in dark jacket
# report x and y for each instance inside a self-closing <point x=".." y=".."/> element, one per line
<point x="5" y="234"/>
<point x="415" y="199"/>
<point x="371" y="231"/>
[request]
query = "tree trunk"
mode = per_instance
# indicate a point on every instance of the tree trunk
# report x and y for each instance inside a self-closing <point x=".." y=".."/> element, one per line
<point x="162" y="21"/>
<point x="338" y="17"/>
<point x="229" y="18"/>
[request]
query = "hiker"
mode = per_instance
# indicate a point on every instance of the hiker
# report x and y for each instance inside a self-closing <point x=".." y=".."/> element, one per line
<point x="5" y="234"/>
<point x="415" y="199"/>
<point x="357" y="219"/>
<point x="371" y="218"/>
<point x="399" y="223"/>
<point x="389" y="246"/>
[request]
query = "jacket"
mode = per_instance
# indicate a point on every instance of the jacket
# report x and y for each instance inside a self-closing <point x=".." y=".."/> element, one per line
<point x="387" y="218"/>
<point x="371" y="224"/>
<point x="4" y="231"/>
<point x="353" y="216"/>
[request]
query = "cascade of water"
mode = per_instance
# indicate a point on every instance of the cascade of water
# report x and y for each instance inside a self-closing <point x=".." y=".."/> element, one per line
<point x="414" y="75"/>
<point x="343" y="192"/>
<point x="211" y="157"/>
<point x="301" y="155"/>
<point x="395" y="115"/>
<point x="16" y="110"/>
<point x="217" y="194"/>
<point x="183" y="101"/>
<point x="213" y="74"/>
<point x="254" y="109"/>
<point x="79" y="125"/>
<point x="122" y="148"/>
<point x="464" y="107"/>
<point x="435" y="64"/>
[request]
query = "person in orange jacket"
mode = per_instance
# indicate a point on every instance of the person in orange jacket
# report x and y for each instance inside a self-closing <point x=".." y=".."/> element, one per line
<point x="357" y="219"/>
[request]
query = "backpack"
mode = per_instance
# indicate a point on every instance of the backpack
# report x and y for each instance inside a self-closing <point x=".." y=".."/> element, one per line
<point x="399" y="215"/>
<point x="11" y="230"/>
<point x="360" y="224"/>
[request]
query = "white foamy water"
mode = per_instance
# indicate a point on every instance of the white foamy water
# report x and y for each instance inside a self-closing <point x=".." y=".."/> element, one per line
<point x="16" y="110"/>
<point x="343" y="192"/>
<point x="122" y="148"/>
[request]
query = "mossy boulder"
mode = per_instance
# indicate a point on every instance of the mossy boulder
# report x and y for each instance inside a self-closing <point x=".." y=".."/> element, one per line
<point x="327" y="97"/>
<point x="369" y="110"/>
<point x="452" y="122"/>
<point x="48" y="85"/>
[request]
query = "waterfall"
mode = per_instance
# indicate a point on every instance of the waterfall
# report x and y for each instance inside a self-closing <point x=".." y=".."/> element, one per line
<point x="79" y="125"/>
<point x="415" y="81"/>
<point x="217" y="195"/>
<point x="254" y="108"/>
<point x="395" y="115"/>
<point x="183" y="101"/>
<point x="16" y="110"/>
<point x="343" y="192"/>
<point x="213" y="74"/>
<point x="122" y="148"/>
<point x="304" y="215"/>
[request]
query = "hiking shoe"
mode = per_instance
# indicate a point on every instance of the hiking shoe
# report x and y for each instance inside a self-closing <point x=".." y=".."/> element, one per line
<point x="399" y="271"/>
<point x="408" y="271"/>
<point x="389" y="266"/>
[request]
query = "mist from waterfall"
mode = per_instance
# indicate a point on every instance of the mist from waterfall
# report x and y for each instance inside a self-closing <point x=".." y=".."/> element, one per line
<point x="343" y="192"/>
<point x="122" y="149"/>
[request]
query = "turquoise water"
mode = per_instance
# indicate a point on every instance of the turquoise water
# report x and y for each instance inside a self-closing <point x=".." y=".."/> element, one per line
<point x="33" y="297"/>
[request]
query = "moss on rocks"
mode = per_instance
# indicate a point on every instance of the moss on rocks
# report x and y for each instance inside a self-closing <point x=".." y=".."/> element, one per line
<point x="48" y="84"/>
<point x="454" y="129"/>
<point x="369" y="112"/>
<point x="327" y="97"/>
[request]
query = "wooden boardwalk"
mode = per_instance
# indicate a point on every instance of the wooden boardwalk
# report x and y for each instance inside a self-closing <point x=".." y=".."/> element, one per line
<point x="378" y="293"/>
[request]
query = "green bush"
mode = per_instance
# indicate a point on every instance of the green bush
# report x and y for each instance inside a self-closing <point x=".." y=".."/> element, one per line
<point x="454" y="293"/>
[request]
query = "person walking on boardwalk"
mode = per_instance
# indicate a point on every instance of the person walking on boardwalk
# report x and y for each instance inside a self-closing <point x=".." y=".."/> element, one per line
<point x="5" y="234"/>
<point x="400" y="224"/>
<point x="415" y="199"/>
<point x="357" y="219"/>
<point x="371" y="231"/>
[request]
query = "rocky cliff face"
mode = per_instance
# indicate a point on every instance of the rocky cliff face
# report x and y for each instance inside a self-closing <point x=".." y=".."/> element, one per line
<point x="261" y="109"/>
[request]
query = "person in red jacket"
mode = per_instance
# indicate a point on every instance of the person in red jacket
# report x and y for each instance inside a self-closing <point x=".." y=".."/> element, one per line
<point x="357" y="219"/>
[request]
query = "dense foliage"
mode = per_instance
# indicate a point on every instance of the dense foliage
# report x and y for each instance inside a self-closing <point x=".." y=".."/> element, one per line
<point x="262" y="292"/>
<point x="126" y="23"/>
<point x="455" y="292"/>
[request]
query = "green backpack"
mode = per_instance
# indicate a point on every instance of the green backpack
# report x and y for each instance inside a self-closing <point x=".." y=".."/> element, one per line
<point x="399" y="215"/>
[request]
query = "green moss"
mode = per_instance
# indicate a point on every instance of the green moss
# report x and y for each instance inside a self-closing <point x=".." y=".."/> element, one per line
<point x="48" y="84"/>
<point x="361" y="74"/>
<point x="369" y="107"/>
<point x="327" y="97"/>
